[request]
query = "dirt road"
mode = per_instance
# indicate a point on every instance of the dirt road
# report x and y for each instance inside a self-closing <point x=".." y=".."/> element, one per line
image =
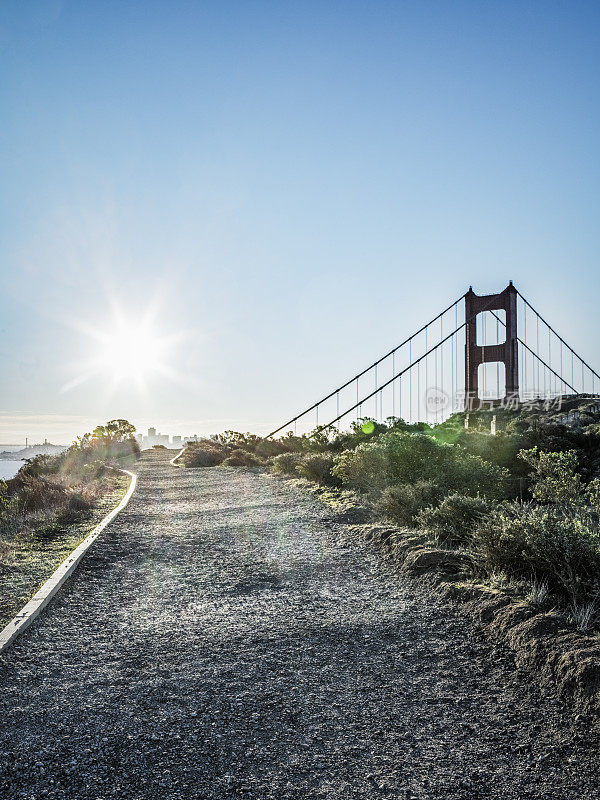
<point x="223" y="640"/>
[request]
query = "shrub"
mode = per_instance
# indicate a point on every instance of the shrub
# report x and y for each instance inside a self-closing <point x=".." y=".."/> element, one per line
<point x="403" y="502"/>
<point x="554" y="477"/>
<point x="286" y="463"/>
<point x="77" y="507"/>
<point x="317" y="467"/>
<point x="37" y="494"/>
<point x="398" y="458"/>
<point x="204" y="453"/>
<point x="267" y="448"/>
<point x="62" y="489"/>
<point x="241" y="458"/>
<point x="8" y="504"/>
<point x="544" y="543"/>
<point x="455" y="519"/>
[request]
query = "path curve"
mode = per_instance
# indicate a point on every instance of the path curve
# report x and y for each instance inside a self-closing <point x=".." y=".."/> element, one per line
<point x="222" y="639"/>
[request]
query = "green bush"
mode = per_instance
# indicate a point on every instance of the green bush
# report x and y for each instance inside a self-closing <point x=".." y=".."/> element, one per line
<point x="455" y="519"/>
<point x="554" y="476"/>
<point x="286" y="463"/>
<point x="398" y="458"/>
<point x="8" y="505"/>
<point x="317" y="467"/>
<point x="544" y="543"/>
<point x="403" y="502"/>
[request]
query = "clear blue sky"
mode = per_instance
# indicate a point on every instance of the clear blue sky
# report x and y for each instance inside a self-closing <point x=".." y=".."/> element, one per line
<point x="300" y="185"/>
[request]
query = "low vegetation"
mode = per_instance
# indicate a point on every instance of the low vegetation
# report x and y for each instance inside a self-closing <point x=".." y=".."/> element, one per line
<point x="522" y="504"/>
<point x="51" y="504"/>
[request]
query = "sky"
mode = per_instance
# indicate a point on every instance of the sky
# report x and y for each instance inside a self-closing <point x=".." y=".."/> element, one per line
<point x="270" y="195"/>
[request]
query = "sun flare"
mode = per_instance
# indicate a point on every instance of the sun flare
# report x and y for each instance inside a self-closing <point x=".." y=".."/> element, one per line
<point x="131" y="351"/>
<point x="126" y="352"/>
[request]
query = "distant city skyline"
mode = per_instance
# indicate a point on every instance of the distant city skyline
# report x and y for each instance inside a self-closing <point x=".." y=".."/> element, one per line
<point x="154" y="437"/>
<point x="151" y="432"/>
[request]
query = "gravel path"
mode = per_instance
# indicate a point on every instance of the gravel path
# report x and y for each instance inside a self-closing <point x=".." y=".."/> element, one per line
<point x="222" y="640"/>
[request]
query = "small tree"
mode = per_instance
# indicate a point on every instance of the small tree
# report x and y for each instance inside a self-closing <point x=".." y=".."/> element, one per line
<point x="116" y="430"/>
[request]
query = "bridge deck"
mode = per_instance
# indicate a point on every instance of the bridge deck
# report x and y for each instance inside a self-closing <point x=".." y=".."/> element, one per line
<point x="220" y="640"/>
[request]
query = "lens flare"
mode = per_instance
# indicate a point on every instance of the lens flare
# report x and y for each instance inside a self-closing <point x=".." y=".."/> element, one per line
<point x="126" y="352"/>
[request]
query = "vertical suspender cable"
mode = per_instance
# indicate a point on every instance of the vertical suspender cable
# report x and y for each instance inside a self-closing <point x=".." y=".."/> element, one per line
<point x="483" y="316"/>
<point x="410" y="381"/>
<point x="435" y="386"/>
<point x="394" y="385"/>
<point x="418" y="390"/>
<point x="525" y="351"/>
<point x="456" y="346"/>
<point x="426" y="381"/>
<point x="562" y="388"/>
<point x="537" y="350"/>
<point x="441" y="386"/>
<point x="400" y="396"/>
<point x="452" y="374"/>
<point x="497" y="362"/>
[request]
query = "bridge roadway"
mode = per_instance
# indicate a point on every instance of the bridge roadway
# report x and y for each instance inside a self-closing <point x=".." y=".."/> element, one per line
<point x="222" y="640"/>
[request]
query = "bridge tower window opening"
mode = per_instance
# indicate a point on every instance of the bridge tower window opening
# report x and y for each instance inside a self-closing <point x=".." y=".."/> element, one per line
<point x="491" y="327"/>
<point x="492" y="381"/>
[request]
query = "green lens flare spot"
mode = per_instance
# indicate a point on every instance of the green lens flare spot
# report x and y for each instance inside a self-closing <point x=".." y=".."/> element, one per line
<point x="368" y="426"/>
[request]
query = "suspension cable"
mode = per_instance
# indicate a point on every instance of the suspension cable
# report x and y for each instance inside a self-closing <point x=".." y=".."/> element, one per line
<point x="535" y="355"/>
<point x="593" y="371"/>
<point x="402" y="372"/>
<point x="364" y="371"/>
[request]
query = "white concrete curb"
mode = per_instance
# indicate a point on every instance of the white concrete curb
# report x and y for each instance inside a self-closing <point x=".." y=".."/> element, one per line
<point x="173" y="460"/>
<point x="43" y="596"/>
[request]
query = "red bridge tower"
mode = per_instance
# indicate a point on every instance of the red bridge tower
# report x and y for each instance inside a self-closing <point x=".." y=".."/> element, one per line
<point x="506" y="352"/>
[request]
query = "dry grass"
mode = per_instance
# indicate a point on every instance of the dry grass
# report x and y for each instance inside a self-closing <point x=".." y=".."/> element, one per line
<point x="33" y="545"/>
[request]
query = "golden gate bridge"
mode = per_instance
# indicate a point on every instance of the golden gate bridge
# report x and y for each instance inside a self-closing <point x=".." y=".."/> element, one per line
<point x="481" y="351"/>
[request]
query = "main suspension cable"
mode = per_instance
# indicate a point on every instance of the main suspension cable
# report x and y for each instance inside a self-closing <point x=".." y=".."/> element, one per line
<point x="399" y="375"/>
<point x="364" y="371"/>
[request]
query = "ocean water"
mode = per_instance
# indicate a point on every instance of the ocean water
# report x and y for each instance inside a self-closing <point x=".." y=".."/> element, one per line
<point x="8" y="469"/>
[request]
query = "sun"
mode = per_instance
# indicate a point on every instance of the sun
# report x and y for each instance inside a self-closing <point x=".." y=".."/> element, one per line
<point x="125" y="352"/>
<point x="131" y="351"/>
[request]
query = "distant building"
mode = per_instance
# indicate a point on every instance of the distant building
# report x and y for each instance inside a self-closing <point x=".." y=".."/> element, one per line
<point x="154" y="437"/>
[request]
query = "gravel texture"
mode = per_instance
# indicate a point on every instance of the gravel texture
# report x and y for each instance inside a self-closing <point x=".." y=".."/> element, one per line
<point x="225" y="639"/>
